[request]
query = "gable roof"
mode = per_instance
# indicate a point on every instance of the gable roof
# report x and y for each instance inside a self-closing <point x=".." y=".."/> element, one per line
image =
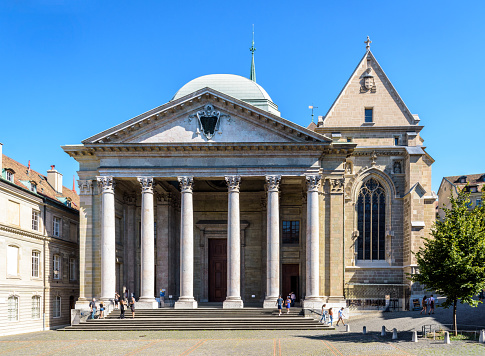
<point x="413" y="119"/>
<point x="179" y="104"/>
<point x="22" y="176"/>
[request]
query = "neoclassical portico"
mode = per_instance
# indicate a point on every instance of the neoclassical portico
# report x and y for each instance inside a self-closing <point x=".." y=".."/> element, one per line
<point x="229" y="216"/>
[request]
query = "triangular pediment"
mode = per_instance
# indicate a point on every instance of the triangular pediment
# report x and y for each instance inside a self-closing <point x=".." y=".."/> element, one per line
<point x="206" y="116"/>
<point x="369" y="87"/>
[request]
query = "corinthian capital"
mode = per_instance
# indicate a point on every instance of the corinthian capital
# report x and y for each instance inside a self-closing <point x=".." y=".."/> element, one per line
<point x="313" y="182"/>
<point x="233" y="183"/>
<point x="273" y="183"/>
<point x="85" y="187"/>
<point x="186" y="184"/>
<point x="107" y="183"/>
<point x="146" y="184"/>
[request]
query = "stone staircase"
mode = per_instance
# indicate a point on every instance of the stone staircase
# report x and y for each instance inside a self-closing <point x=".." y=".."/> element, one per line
<point x="203" y="319"/>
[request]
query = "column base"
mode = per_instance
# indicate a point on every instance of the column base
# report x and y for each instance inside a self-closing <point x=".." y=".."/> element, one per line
<point x="83" y="304"/>
<point x="313" y="303"/>
<point x="148" y="303"/>
<point x="233" y="304"/>
<point x="185" y="303"/>
<point x="270" y="303"/>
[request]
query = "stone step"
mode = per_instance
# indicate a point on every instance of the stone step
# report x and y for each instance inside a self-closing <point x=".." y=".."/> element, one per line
<point x="203" y="319"/>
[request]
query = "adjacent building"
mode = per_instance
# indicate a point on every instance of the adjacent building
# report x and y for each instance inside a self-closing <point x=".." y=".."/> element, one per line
<point x="215" y="197"/>
<point x="450" y="186"/>
<point x="39" y="249"/>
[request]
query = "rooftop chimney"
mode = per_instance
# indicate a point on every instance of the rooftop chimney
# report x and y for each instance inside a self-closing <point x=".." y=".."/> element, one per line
<point x="54" y="178"/>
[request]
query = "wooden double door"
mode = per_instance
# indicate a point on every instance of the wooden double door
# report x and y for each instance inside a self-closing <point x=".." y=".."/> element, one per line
<point x="217" y="270"/>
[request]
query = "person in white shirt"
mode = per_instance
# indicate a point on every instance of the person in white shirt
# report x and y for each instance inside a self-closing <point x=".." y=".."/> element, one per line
<point x="341" y="316"/>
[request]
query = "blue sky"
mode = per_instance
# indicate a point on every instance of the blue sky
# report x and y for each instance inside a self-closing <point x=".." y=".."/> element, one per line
<point x="73" y="68"/>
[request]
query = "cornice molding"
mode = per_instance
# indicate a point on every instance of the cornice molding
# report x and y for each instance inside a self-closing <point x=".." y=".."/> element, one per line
<point x="18" y="231"/>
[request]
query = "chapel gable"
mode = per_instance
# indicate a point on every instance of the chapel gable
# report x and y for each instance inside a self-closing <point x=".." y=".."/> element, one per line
<point x="368" y="99"/>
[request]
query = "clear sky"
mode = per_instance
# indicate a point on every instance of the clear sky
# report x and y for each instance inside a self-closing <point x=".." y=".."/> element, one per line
<point x="73" y="68"/>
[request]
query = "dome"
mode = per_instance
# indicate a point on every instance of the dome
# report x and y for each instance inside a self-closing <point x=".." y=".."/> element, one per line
<point x="233" y="85"/>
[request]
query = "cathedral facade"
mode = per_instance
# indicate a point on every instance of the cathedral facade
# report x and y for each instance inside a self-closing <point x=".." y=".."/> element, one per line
<point x="214" y="197"/>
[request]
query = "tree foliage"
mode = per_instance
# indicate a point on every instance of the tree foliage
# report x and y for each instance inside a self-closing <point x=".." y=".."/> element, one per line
<point x="452" y="261"/>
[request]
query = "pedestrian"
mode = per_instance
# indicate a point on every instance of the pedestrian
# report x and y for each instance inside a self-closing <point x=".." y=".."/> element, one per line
<point x="117" y="300"/>
<point x="92" y="305"/>
<point x="279" y="303"/>
<point x="431" y="305"/>
<point x="293" y="298"/>
<point x="324" y="316"/>
<point x="122" y="309"/>
<point x="424" y="306"/>
<point x="341" y="316"/>
<point x="132" y="307"/>
<point x="288" y="304"/>
<point x="101" y="310"/>
<point x="330" y="316"/>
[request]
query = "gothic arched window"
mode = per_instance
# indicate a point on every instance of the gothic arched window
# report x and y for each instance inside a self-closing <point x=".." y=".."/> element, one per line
<point x="371" y="221"/>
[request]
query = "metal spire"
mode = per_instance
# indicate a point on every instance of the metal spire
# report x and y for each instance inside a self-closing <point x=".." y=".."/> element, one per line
<point x="252" y="75"/>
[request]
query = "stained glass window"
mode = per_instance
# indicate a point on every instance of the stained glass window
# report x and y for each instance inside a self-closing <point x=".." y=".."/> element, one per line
<point x="371" y="221"/>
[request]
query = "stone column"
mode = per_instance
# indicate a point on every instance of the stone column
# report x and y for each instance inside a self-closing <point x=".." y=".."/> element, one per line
<point x="85" y="243"/>
<point x="273" y="242"/>
<point x="147" y="292"/>
<point x="233" y="299"/>
<point x="108" y="238"/>
<point x="164" y="222"/>
<point x="312" y="298"/>
<point x="130" y="241"/>
<point x="186" y="299"/>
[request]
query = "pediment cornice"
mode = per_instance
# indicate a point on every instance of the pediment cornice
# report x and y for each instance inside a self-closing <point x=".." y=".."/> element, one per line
<point x="122" y="149"/>
<point x="195" y="101"/>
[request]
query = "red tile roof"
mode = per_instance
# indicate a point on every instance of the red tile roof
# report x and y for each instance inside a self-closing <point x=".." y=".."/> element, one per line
<point x="471" y="179"/>
<point x="43" y="187"/>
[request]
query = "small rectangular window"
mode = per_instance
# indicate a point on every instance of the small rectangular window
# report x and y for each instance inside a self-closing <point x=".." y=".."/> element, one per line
<point x="396" y="141"/>
<point x="35" y="263"/>
<point x="72" y="269"/>
<point x="35" y="220"/>
<point x="57" y="307"/>
<point x="56" y="226"/>
<point x="35" y="307"/>
<point x="349" y="139"/>
<point x="12" y="261"/>
<point x="13" y="308"/>
<point x="291" y="232"/>
<point x="369" y="117"/>
<point x="9" y="176"/>
<point x="57" y="266"/>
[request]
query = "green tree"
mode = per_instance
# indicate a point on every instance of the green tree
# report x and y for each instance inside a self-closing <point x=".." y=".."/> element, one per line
<point x="452" y="262"/>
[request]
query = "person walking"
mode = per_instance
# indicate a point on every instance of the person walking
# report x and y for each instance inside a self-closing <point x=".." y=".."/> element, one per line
<point x="424" y="306"/>
<point x="101" y="310"/>
<point x="279" y="303"/>
<point x="341" y="316"/>
<point x="122" y="309"/>
<point x="92" y="305"/>
<point x="132" y="307"/>
<point x="330" y="316"/>
<point x="117" y="300"/>
<point x="293" y="298"/>
<point x="431" y="305"/>
<point x="288" y="304"/>
<point x="324" y="316"/>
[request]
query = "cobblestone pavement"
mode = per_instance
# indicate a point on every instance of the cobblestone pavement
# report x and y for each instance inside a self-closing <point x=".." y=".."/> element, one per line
<point x="271" y="342"/>
<point x="335" y="343"/>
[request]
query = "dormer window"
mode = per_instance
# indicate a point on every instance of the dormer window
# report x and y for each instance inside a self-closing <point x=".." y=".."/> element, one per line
<point x="462" y="179"/>
<point x="33" y="187"/>
<point x="369" y="115"/>
<point x="9" y="175"/>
